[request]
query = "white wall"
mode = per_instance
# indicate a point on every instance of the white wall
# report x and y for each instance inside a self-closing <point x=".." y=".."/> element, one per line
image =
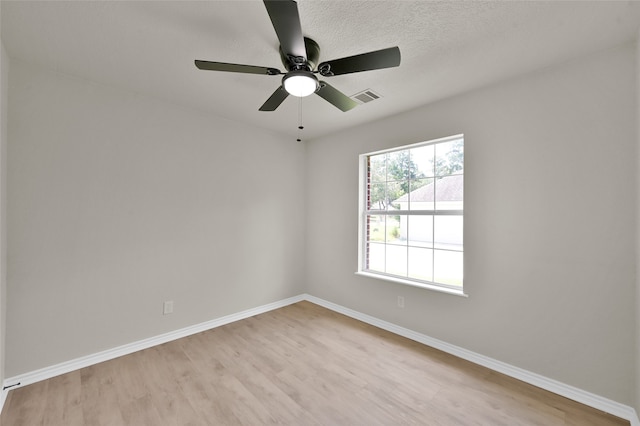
<point x="549" y="272"/>
<point x="118" y="202"/>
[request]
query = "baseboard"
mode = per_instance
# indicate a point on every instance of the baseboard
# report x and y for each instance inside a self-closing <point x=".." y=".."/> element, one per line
<point x="3" y="397"/>
<point x="562" y="389"/>
<point x="86" y="361"/>
<point x="571" y="392"/>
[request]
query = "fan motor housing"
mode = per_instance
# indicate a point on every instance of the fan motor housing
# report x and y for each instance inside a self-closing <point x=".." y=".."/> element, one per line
<point x="313" y="54"/>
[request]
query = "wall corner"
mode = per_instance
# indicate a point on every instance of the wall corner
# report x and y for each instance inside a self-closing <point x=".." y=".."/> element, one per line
<point x="4" y="79"/>
<point x="636" y="397"/>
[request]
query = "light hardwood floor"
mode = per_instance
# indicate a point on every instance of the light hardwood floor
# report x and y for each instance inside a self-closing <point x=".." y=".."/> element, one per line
<point x="298" y="365"/>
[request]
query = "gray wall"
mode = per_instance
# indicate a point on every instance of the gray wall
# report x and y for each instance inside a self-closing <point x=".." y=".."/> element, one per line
<point x="118" y="202"/>
<point x="637" y="228"/>
<point x="4" y="80"/>
<point x="549" y="210"/>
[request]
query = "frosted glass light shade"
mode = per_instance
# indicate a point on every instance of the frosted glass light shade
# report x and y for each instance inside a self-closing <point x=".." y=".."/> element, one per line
<point x="300" y="83"/>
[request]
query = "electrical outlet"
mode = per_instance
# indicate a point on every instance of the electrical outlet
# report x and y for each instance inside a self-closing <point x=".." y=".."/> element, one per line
<point x="400" y="301"/>
<point x="167" y="307"/>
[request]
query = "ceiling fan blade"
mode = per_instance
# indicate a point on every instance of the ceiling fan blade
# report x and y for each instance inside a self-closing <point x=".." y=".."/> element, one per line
<point x="336" y="97"/>
<point x="247" y="69"/>
<point x="379" y="59"/>
<point x="286" y="21"/>
<point x="275" y="100"/>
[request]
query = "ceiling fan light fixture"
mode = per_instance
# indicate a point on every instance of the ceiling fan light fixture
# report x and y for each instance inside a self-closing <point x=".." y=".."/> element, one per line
<point x="300" y="57"/>
<point x="300" y="83"/>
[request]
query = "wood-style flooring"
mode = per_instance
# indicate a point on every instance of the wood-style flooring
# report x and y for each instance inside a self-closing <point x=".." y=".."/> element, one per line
<point x="298" y="365"/>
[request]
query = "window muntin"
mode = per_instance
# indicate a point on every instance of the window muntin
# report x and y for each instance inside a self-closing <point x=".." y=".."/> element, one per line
<point x="412" y="213"/>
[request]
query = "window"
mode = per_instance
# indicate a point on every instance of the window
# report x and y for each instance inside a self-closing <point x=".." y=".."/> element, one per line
<point x="412" y="214"/>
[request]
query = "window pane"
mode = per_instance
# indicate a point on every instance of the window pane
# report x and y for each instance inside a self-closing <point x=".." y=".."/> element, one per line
<point x="449" y="157"/>
<point x="376" y="228"/>
<point x="403" y="228"/>
<point x="396" y="260"/>
<point x="420" y="264"/>
<point x="398" y="166"/>
<point x="448" y="232"/>
<point x="421" y="195"/>
<point x="448" y="267"/>
<point x="423" y="159"/>
<point x="449" y="192"/>
<point x="396" y="194"/>
<point x="375" y="257"/>
<point x="420" y="231"/>
<point x="378" y="168"/>
<point x="393" y="234"/>
<point x="377" y="196"/>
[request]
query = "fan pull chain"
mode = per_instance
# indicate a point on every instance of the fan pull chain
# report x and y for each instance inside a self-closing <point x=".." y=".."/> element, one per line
<point x="300" y="126"/>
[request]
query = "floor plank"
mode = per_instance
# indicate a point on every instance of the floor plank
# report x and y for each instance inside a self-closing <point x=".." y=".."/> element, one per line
<point x="298" y="365"/>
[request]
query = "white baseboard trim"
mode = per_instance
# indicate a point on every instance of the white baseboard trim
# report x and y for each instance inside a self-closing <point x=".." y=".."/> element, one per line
<point x="3" y="397"/>
<point x="579" y="395"/>
<point x="562" y="389"/>
<point x="86" y="361"/>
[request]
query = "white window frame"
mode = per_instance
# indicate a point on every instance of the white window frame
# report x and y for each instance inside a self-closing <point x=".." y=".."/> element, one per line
<point x="362" y="221"/>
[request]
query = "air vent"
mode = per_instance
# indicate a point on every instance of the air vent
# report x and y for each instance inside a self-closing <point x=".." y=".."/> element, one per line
<point x="365" y="96"/>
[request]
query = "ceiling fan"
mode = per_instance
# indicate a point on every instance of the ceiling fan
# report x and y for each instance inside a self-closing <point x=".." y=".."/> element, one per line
<point x="300" y="56"/>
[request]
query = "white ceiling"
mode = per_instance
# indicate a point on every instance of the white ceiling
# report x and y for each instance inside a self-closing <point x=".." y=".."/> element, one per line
<point x="447" y="47"/>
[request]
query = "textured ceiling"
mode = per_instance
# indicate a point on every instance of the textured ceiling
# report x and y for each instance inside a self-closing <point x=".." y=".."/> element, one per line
<point x="448" y="47"/>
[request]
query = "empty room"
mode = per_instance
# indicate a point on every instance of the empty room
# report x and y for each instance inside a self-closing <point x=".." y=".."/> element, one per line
<point x="319" y="212"/>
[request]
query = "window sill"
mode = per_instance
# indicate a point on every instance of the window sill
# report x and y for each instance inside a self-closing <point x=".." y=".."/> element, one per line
<point x="445" y="290"/>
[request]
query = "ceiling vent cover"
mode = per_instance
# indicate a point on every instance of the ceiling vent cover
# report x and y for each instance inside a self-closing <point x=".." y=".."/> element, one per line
<point x="366" y="96"/>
